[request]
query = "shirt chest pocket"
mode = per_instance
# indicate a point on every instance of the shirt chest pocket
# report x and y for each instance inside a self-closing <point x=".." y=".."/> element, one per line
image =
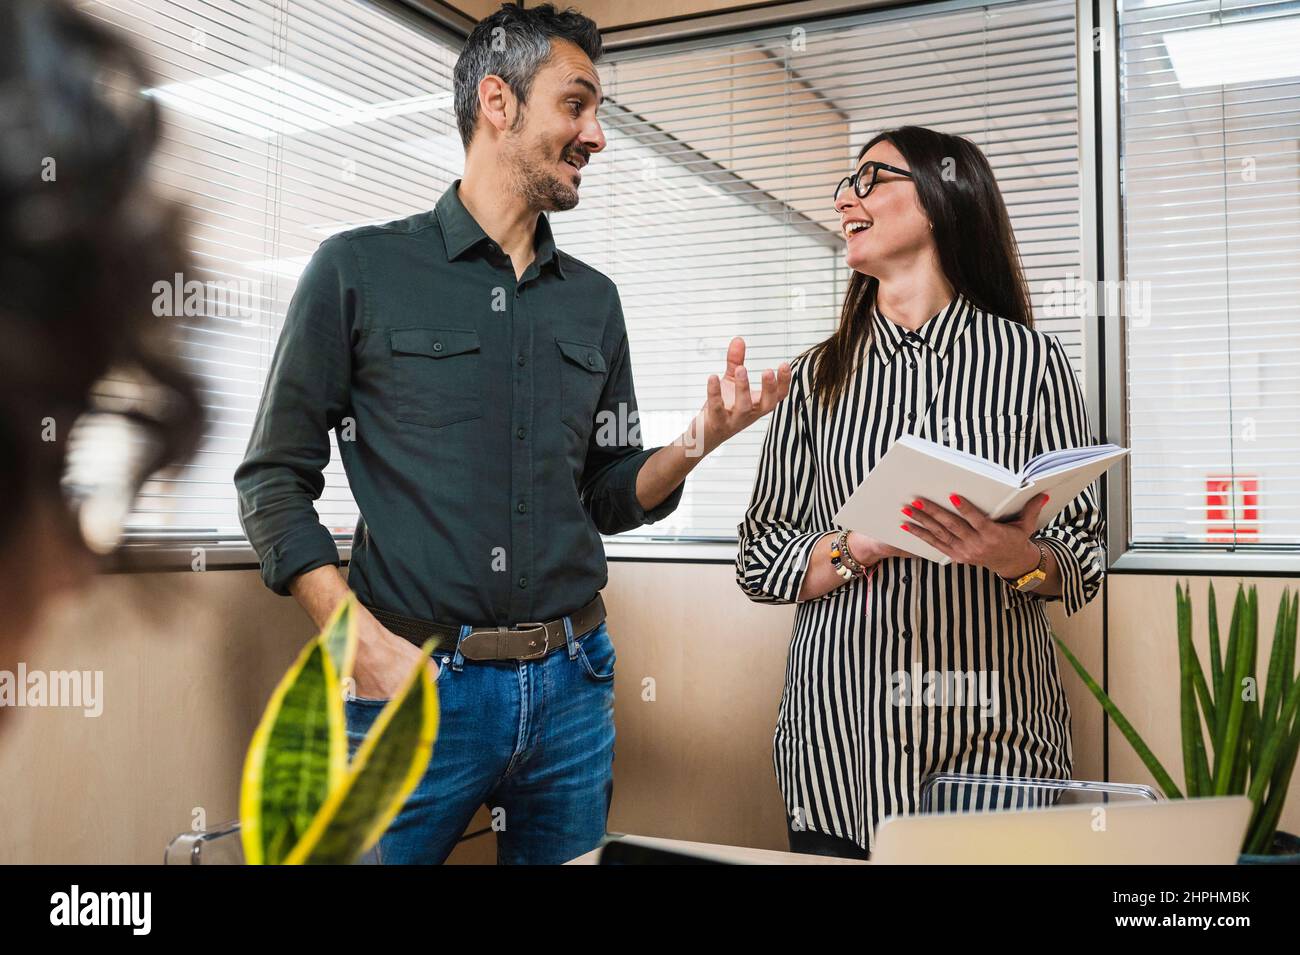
<point x="438" y="375"/>
<point x="1001" y="438"/>
<point x="582" y="378"/>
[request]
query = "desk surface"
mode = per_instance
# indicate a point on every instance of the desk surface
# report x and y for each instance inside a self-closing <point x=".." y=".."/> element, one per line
<point x="735" y="854"/>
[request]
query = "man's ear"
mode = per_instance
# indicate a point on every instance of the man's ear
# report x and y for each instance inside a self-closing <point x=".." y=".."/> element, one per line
<point x="496" y="102"/>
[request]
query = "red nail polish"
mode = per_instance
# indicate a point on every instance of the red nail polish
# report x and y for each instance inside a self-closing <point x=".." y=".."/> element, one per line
<point x="905" y="527"/>
<point x="907" y="511"/>
<point x="918" y="505"/>
<point x="1046" y="498"/>
<point x="956" y="501"/>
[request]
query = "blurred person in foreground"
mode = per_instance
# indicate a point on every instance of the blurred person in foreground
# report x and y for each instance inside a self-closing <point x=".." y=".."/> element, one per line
<point x="82" y="242"/>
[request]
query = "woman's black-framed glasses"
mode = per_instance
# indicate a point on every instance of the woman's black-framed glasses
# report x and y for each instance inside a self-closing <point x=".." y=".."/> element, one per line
<point x="865" y="179"/>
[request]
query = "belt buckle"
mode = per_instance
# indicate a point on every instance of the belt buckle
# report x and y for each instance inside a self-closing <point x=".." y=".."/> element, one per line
<point x="546" y="642"/>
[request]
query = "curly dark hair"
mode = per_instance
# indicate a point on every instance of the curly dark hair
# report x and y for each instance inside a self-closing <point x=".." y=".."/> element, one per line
<point x="83" y="239"/>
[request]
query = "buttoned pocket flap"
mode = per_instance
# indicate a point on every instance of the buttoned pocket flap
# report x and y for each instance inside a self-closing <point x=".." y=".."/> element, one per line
<point x="433" y="342"/>
<point x="585" y="356"/>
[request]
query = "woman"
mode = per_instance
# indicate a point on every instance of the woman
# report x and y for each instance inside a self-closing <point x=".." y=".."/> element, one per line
<point x="935" y="339"/>
<point x="83" y="239"/>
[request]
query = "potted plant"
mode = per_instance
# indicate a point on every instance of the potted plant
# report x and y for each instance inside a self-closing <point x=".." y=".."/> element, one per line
<point x="302" y="799"/>
<point x="1254" y="731"/>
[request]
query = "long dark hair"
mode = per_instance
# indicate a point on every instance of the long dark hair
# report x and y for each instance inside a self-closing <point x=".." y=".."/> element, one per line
<point x="972" y="231"/>
<point x="83" y="239"/>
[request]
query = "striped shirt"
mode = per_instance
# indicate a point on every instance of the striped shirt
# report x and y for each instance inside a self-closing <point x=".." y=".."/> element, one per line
<point x="919" y="668"/>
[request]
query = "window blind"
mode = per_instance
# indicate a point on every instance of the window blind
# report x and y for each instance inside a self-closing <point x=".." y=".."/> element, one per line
<point x="289" y="121"/>
<point x="286" y="121"/>
<point x="1211" y="186"/>
<point x="711" y="205"/>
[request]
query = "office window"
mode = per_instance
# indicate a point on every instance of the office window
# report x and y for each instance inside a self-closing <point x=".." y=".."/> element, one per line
<point x="1211" y="185"/>
<point x="290" y="120"/>
<point x="711" y="205"/>
<point x="286" y="121"/>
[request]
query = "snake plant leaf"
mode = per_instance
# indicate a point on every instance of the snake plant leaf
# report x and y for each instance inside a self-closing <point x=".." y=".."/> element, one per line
<point x="1203" y="691"/>
<point x="1196" y="772"/>
<point x="1275" y="748"/>
<point x="1216" y="661"/>
<point x="1271" y="704"/>
<point x="1237" y="665"/>
<point x="297" y="756"/>
<point x="1247" y="757"/>
<point x="340" y="637"/>
<point x="1289" y="660"/>
<point x="386" y="768"/>
<point x="1222" y="691"/>
<point x="1162" y="777"/>
<point x="1265" y="820"/>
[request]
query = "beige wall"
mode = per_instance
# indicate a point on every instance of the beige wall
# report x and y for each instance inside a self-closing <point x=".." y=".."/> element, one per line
<point x="189" y="660"/>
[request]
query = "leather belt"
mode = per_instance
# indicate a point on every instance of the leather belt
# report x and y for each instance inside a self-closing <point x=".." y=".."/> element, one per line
<point x="524" y="641"/>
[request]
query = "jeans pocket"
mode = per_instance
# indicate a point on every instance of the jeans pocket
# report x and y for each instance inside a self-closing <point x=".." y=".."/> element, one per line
<point x="596" y="651"/>
<point x="444" y="664"/>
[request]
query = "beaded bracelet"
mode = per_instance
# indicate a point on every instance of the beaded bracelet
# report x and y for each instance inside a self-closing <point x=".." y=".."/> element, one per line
<point x="842" y="560"/>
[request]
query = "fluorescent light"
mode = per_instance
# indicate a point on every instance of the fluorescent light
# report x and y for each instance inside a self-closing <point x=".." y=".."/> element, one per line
<point x="1235" y="52"/>
<point x="271" y="101"/>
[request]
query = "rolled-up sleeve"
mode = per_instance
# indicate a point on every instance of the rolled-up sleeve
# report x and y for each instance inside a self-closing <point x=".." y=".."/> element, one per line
<point x="615" y="456"/>
<point x="1075" y="536"/>
<point x="776" y="538"/>
<point x="307" y="394"/>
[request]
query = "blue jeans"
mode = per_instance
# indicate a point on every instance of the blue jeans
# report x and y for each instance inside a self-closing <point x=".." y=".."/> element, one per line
<point x="533" y="740"/>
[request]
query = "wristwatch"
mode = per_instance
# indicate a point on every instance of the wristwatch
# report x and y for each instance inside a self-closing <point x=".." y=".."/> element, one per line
<point x="1034" y="579"/>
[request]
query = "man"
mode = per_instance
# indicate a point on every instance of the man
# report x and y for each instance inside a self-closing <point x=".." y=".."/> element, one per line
<point x="481" y="388"/>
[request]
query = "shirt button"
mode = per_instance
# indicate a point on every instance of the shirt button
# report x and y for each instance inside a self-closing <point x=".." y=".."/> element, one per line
<point x="520" y="434"/>
<point x="521" y="507"/>
<point x="521" y="361"/>
<point x="910" y="416"/>
<point x="908" y="749"/>
<point x="907" y="634"/>
<point x="907" y="578"/>
<point x="437" y="346"/>
<point x="591" y="360"/>
<point x="523" y="582"/>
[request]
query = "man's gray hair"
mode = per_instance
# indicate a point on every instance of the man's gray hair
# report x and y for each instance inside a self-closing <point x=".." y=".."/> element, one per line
<point x="514" y="43"/>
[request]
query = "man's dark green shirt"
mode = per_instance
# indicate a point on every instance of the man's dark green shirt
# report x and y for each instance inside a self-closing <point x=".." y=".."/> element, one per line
<point x="488" y="426"/>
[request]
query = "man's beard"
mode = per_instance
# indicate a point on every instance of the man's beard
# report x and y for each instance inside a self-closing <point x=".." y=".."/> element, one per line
<point x="539" y="187"/>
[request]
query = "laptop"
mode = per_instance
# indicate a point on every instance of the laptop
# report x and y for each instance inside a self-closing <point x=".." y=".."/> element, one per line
<point x="1206" y="831"/>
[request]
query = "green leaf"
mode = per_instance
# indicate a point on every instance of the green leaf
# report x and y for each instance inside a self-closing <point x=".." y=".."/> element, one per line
<point x="1222" y="693"/>
<point x="1275" y="747"/>
<point x="1196" y="773"/>
<point x="1237" y="667"/>
<point x="1216" y="662"/>
<point x="1289" y="631"/>
<point x="340" y="637"/>
<point x="1271" y="704"/>
<point x="1265" y="819"/>
<point x="386" y="768"/>
<point x="1162" y="777"/>
<point x="297" y="755"/>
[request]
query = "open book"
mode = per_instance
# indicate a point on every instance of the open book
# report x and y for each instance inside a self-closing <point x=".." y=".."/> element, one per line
<point x="914" y="467"/>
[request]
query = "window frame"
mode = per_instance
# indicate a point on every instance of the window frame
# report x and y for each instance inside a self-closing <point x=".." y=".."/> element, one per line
<point x="1104" y="337"/>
